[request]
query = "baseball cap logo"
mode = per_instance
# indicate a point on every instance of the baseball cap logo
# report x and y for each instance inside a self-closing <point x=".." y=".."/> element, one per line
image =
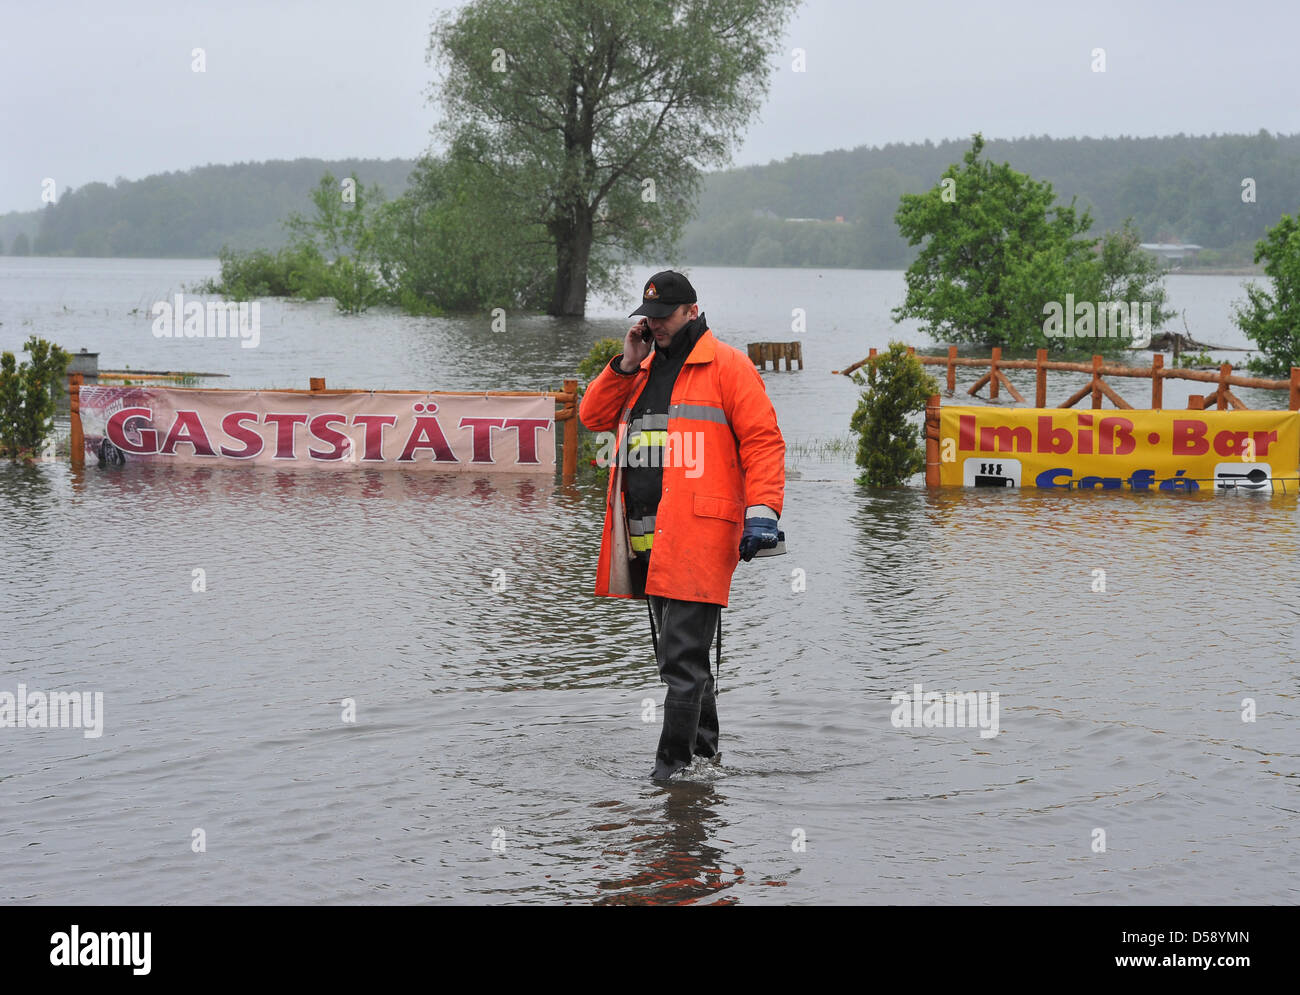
<point x="650" y="292"/>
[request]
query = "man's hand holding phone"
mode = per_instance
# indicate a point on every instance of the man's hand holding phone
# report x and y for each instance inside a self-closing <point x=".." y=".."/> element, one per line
<point x="637" y="345"/>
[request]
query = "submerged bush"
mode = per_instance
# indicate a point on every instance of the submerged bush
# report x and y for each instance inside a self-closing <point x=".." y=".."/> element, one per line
<point x="597" y="359"/>
<point x="297" y="271"/>
<point x="890" y="447"/>
<point x="27" y="393"/>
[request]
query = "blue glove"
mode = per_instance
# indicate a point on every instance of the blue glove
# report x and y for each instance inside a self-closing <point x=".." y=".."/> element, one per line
<point x="760" y="533"/>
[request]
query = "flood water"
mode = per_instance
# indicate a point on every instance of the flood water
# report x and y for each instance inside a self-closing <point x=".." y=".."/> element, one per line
<point x="500" y="750"/>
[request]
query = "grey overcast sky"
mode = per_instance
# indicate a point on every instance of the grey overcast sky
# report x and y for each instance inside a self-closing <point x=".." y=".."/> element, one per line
<point x="101" y="89"/>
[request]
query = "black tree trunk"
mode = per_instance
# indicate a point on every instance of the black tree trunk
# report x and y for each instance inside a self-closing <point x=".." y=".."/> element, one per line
<point x="572" y="254"/>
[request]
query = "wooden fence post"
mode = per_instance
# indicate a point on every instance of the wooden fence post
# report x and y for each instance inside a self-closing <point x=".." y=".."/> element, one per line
<point x="571" y="434"/>
<point x="1096" y="381"/>
<point x="932" y="440"/>
<point x="1195" y="402"/>
<point x="1295" y="388"/>
<point x="952" y="370"/>
<point x="1225" y="371"/>
<point x="1040" y="379"/>
<point x="1157" y="381"/>
<point x="993" y="372"/>
<point x="316" y="383"/>
<point x="77" y="439"/>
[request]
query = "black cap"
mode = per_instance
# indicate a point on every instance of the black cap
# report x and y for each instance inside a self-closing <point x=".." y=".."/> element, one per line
<point x="663" y="293"/>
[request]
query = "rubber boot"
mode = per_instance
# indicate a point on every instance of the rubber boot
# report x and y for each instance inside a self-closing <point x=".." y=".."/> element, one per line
<point x="690" y="725"/>
<point x="676" y="740"/>
<point x="706" y="735"/>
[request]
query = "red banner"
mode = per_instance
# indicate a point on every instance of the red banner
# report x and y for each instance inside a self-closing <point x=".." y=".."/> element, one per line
<point x="456" y="432"/>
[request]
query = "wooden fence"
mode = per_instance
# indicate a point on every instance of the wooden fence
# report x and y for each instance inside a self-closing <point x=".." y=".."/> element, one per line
<point x="565" y="400"/>
<point x="1221" y="397"/>
<point x="761" y="352"/>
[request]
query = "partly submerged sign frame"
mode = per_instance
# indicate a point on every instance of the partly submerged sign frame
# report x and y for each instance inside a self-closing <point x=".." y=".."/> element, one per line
<point x="1065" y="449"/>
<point x="513" y="432"/>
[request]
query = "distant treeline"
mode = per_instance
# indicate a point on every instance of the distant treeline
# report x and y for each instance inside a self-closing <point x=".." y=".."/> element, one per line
<point x="1178" y="189"/>
<point x="189" y="214"/>
<point x="1183" y="189"/>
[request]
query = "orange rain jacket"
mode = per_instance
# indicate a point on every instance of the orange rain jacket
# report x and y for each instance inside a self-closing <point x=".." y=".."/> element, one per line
<point x="738" y="458"/>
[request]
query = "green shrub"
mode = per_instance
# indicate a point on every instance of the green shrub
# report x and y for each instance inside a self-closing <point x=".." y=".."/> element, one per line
<point x="1195" y="359"/>
<point x="353" y="285"/>
<point x="1272" y="319"/>
<point x="597" y="359"/>
<point x="27" y="395"/>
<point x="297" y="271"/>
<point x="890" y="447"/>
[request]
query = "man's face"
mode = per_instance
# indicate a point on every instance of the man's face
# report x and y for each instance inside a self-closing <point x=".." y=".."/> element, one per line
<point x="667" y="327"/>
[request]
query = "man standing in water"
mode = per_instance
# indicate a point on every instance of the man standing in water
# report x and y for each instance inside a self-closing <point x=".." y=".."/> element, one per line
<point x="696" y="484"/>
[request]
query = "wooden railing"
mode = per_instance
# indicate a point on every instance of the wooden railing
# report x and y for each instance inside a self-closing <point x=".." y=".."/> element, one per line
<point x="1221" y="397"/>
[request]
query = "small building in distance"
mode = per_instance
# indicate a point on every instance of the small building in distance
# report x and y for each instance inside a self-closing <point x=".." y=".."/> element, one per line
<point x="1171" y="250"/>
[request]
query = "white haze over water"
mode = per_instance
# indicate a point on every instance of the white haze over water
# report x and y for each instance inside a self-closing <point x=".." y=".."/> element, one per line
<point x="91" y="92"/>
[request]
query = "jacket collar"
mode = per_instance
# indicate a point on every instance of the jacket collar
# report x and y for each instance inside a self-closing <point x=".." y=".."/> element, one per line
<point x="703" y="350"/>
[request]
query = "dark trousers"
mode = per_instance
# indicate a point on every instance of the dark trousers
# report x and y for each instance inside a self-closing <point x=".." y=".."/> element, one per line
<point x="686" y="633"/>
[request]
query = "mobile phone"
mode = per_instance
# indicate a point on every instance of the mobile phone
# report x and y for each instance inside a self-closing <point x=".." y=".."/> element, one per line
<point x="646" y="334"/>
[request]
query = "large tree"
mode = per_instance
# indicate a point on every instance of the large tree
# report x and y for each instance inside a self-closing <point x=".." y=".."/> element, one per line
<point x="596" y="116"/>
<point x="997" y="251"/>
<point x="1271" y="317"/>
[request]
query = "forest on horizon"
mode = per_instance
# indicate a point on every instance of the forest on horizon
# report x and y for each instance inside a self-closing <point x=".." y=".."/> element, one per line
<point x="1179" y="188"/>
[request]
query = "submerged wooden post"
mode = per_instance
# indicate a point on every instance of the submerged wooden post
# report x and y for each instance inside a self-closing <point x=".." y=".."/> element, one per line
<point x="993" y="372"/>
<point x="932" y="440"/>
<point x="1157" y="381"/>
<point x="76" y="439"/>
<point x="317" y="383"/>
<point x="570" y="471"/>
<point x="1040" y="379"/>
<point x="1096" y="381"/>
<point x="952" y="369"/>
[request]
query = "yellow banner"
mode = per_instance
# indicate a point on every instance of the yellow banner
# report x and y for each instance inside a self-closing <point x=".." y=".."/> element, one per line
<point x="1120" y="450"/>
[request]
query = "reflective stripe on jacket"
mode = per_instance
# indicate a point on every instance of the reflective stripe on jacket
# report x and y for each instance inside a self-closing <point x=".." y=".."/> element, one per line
<point x="736" y="458"/>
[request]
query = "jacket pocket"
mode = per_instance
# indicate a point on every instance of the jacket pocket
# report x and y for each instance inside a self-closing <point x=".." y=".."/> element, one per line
<point x="716" y="507"/>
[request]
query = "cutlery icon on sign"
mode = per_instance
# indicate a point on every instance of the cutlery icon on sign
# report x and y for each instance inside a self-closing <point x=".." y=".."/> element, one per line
<point x="1256" y="478"/>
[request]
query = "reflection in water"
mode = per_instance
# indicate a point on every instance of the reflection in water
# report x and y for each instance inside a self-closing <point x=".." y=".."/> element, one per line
<point x="677" y="865"/>
<point x="205" y="484"/>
